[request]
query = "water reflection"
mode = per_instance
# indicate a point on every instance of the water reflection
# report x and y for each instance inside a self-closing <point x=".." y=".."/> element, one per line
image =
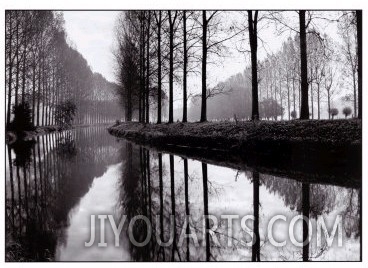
<point x="166" y="184"/>
<point x="45" y="179"/>
<point x="55" y="182"/>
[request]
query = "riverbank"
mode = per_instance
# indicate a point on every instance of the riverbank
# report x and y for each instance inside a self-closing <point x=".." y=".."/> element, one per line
<point x="306" y="150"/>
<point x="11" y="136"/>
<point x="42" y="130"/>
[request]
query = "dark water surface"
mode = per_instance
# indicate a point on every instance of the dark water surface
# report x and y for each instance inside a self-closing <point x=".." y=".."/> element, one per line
<point x="56" y="182"/>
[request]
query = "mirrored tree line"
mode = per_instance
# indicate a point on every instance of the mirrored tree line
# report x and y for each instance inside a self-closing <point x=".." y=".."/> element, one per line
<point x="159" y="51"/>
<point x="45" y="74"/>
<point x="41" y="187"/>
<point x="164" y="189"/>
<point x="41" y="190"/>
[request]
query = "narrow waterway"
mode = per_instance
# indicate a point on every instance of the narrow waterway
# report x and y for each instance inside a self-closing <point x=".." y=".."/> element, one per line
<point x="58" y="183"/>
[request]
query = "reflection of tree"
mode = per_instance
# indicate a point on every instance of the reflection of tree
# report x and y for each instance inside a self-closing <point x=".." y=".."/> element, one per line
<point x="12" y="199"/>
<point x="52" y="175"/>
<point x="313" y="200"/>
<point x="306" y="210"/>
<point x="205" y="204"/>
<point x="187" y="212"/>
<point x="322" y="197"/>
<point x="133" y="196"/>
<point x="161" y="203"/>
<point x="173" y="211"/>
<point x="351" y="215"/>
<point x="66" y="145"/>
<point x="23" y="152"/>
<point x="256" y="252"/>
<point x="158" y="190"/>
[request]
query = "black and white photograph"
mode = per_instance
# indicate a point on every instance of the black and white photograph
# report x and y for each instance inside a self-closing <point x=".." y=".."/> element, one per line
<point x="198" y="134"/>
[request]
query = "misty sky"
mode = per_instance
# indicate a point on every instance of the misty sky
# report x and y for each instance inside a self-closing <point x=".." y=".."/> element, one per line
<point x="92" y="33"/>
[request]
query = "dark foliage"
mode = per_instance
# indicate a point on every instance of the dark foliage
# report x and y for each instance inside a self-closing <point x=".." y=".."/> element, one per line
<point x="333" y="112"/>
<point x="23" y="152"/>
<point x="270" y="108"/>
<point x="293" y="114"/>
<point x="22" y="118"/>
<point x="65" y="113"/>
<point x="347" y="111"/>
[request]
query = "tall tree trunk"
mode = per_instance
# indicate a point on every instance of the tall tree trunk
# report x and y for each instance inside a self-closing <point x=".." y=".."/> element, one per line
<point x="281" y="111"/>
<point x="355" y="95"/>
<point x="159" y="81"/>
<point x="299" y="96"/>
<point x="148" y="67"/>
<point x="294" y="100"/>
<point x="171" y="68"/>
<point x="39" y="93"/>
<point x="312" y="106"/>
<point x="318" y="102"/>
<point x="252" y="26"/>
<point x="204" y="68"/>
<point x="185" y="63"/>
<point x="33" y="90"/>
<point x="10" y="73"/>
<point x="359" y="56"/>
<point x="328" y="104"/>
<point x="304" y="109"/>
<point x="17" y="66"/>
<point x="142" y="73"/>
<point x="275" y="103"/>
<point x="288" y="97"/>
<point x="24" y="71"/>
<point x="44" y="90"/>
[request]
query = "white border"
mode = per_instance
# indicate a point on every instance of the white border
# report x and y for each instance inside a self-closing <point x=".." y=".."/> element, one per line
<point x="187" y="4"/>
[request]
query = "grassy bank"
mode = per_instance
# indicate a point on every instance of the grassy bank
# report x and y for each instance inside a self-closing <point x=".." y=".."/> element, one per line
<point x="325" y="150"/>
<point x="225" y="134"/>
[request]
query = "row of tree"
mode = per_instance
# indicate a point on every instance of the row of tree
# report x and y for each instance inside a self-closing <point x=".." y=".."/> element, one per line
<point x="49" y="79"/>
<point x="159" y="49"/>
<point x="279" y="84"/>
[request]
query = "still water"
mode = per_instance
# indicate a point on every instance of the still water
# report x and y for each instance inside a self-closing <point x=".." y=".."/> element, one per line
<point x="55" y="182"/>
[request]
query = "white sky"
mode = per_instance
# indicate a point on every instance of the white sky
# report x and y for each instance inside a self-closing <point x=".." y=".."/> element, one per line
<point x="91" y="32"/>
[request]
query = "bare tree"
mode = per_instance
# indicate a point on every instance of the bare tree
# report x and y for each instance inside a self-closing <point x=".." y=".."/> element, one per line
<point x="329" y="80"/>
<point x="304" y="110"/>
<point x="360" y="66"/>
<point x="211" y="44"/>
<point x="253" y="41"/>
<point x="158" y="18"/>
<point x="173" y="15"/>
<point x="348" y="32"/>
